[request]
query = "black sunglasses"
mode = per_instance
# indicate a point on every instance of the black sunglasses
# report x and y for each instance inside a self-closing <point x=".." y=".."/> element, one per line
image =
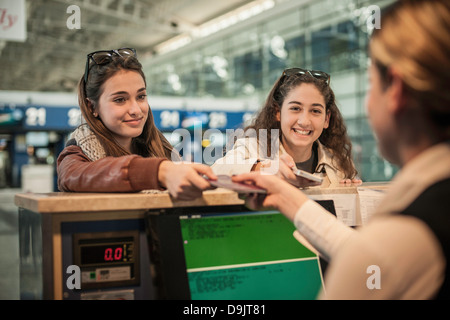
<point x="103" y="57"/>
<point x="314" y="73"/>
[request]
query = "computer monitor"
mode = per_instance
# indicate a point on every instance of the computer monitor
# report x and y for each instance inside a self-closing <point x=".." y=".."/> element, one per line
<point x="230" y="253"/>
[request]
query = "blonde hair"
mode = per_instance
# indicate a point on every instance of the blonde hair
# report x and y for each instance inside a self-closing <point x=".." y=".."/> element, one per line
<point x="414" y="37"/>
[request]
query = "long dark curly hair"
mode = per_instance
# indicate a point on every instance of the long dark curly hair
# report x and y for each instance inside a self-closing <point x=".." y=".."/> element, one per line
<point x="334" y="138"/>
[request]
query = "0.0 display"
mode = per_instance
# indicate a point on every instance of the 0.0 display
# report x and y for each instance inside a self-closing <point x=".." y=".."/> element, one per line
<point x="106" y="253"/>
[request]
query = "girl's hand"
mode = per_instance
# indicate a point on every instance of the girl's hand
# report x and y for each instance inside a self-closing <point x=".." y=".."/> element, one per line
<point x="184" y="181"/>
<point x="351" y="181"/>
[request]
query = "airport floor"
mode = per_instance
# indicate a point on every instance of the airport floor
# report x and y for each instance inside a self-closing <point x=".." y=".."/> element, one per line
<point x="9" y="246"/>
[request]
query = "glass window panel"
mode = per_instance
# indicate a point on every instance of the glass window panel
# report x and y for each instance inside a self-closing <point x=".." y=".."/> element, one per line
<point x="319" y="34"/>
<point x="343" y="83"/>
<point x="348" y="106"/>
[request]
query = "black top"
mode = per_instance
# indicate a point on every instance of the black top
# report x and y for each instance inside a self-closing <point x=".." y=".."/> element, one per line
<point x="310" y="164"/>
<point x="433" y="208"/>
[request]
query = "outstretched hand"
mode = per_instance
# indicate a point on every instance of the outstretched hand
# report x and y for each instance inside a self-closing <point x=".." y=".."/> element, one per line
<point x="280" y="194"/>
<point x="283" y="168"/>
<point x="184" y="181"/>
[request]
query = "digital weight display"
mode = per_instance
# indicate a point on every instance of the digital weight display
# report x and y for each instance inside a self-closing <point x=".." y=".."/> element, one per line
<point x="107" y="259"/>
<point x="106" y="253"/>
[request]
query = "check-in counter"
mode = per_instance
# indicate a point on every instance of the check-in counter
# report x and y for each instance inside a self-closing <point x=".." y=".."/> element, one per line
<point x="105" y="234"/>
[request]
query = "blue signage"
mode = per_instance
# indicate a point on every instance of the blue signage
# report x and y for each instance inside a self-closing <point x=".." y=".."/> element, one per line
<point x="68" y="118"/>
<point x="51" y="118"/>
<point x="169" y="120"/>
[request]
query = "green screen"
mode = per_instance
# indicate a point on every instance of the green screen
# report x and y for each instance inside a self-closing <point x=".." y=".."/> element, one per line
<point x="248" y="256"/>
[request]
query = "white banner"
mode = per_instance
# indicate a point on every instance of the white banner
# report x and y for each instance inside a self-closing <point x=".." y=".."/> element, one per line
<point x="13" y="20"/>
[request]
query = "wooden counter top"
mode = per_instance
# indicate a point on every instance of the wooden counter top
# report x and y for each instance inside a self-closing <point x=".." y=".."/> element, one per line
<point x="84" y="202"/>
<point x="88" y="202"/>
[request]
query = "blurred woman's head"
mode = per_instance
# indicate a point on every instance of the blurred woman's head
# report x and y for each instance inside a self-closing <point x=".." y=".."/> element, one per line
<point x="413" y="46"/>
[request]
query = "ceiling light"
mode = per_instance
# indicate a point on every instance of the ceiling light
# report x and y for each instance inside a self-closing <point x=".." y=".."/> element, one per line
<point x="243" y="13"/>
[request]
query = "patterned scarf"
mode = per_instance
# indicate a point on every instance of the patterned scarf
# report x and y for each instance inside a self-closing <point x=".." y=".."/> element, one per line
<point x="92" y="148"/>
<point x="88" y="142"/>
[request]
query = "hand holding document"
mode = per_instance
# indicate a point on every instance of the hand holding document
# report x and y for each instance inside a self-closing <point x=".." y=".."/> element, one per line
<point x="306" y="179"/>
<point x="224" y="181"/>
<point x="287" y="170"/>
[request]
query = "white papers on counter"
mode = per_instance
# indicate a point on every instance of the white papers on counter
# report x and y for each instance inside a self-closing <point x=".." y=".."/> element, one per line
<point x="345" y="205"/>
<point x="369" y="200"/>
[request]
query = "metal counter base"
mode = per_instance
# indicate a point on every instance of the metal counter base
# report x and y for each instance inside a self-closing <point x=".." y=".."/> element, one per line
<point x="47" y="252"/>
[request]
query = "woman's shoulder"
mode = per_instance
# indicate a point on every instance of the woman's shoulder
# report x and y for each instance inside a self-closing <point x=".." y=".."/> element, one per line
<point x="323" y="152"/>
<point x="86" y="139"/>
<point x="81" y="133"/>
<point x="326" y="159"/>
<point x="71" y="142"/>
<point x="71" y="150"/>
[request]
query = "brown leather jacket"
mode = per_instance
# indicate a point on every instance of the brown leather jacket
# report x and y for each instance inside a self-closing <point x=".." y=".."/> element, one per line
<point x="77" y="173"/>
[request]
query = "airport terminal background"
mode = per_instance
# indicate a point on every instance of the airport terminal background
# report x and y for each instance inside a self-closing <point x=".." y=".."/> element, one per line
<point x="221" y="79"/>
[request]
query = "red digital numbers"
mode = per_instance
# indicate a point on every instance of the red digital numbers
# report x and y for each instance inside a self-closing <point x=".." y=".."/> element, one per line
<point x="113" y="254"/>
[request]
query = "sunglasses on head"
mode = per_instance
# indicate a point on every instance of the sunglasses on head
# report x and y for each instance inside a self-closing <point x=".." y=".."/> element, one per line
<point x="314" y="73"/>
<point x="103" y="57"/>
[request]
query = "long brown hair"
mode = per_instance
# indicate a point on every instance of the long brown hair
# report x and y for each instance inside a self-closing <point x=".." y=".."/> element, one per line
<point x="414" y="37"/>
<point x="150" y="143"/>
<point x="335" y="137"/>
